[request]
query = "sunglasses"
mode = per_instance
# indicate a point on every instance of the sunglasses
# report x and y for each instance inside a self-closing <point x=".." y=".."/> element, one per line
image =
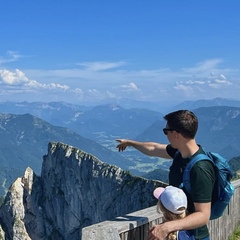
<point x="166" y="130"/>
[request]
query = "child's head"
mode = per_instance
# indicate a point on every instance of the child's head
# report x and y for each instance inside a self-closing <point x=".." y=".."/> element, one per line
<point x="172" y="202"/>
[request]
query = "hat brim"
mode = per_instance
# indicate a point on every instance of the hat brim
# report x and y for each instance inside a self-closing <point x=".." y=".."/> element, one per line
<point x="158" y="191"/>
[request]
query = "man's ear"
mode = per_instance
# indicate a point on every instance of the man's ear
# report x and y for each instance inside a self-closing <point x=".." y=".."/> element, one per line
<point x="177" y="134"/>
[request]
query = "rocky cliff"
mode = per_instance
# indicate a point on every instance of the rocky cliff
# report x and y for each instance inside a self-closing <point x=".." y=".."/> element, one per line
<point x="75" y="190"/>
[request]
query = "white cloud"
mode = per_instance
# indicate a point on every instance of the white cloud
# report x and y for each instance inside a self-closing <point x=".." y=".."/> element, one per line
<point x="78" y="91"/>
<point x="222" y="76"/>
<point x="94" y="83"/>
<point x="183" y="87"/>
<point x="12" y="78"/>
<point x="195" y="82"/>
<point x="11" y="56"/>
<point x="218" y="81"/>
<point x="204" y="84"/>
<point x="204" y="67"/>
<point x="101" y="66"/>
<point x="110" y="94"/>
<point x="18" y="78"/>
<point x="130" y="87"/>
<point x="56" y="86"/>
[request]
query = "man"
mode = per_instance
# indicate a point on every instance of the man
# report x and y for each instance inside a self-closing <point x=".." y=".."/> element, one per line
<point x="181" y="128"/>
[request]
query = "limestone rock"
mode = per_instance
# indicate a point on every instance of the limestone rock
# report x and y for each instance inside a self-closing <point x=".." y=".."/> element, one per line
<point x="75" y="190"/>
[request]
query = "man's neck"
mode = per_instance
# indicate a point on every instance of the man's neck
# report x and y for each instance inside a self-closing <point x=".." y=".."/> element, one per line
<point x="189" y="148"/>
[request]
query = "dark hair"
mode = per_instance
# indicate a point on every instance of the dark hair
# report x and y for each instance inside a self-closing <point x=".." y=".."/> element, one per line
<point x="183" y="121"/>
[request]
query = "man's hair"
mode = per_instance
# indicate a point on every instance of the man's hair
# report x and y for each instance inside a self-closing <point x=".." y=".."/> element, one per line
<point x="183" y="121"/>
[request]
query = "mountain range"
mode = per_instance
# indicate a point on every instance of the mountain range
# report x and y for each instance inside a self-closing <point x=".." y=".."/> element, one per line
<point x="207" y="103"/>
<point x="219" y="130"/>
<point x="24" y="139"/>
<point x="27" y="128"/>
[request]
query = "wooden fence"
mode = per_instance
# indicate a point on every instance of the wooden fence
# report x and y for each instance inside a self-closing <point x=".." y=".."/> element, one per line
<point x="135" y="226"/>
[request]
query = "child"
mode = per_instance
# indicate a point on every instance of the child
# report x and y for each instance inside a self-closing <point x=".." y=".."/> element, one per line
<point x="173" y="204"/>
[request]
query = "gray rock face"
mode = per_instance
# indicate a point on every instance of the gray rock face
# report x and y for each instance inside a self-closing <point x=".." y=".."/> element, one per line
<point x="75" y="190"/>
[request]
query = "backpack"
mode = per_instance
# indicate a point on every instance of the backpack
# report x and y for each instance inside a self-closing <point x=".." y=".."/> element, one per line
<point x="224" y="174"/>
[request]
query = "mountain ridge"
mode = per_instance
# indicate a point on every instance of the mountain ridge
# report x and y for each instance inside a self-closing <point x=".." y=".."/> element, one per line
<point x="23" y="140"/>
<point x="75" y="190"/>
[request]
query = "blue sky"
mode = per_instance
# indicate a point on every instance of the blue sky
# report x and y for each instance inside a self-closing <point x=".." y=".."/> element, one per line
<point x="94" y="51"/>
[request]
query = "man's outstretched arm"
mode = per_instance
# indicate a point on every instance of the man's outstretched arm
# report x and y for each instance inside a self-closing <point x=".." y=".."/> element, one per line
<point x="149" y="148"/>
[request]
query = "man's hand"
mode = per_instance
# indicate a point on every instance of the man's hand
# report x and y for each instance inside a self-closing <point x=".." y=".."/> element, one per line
<point x="158" y="232"/>
<point x="123" y="143"/>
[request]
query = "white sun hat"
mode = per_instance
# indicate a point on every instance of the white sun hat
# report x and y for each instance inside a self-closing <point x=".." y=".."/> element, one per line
<point x="172" y="198"/>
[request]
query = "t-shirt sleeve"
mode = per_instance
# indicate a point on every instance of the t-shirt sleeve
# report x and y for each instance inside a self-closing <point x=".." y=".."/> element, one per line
<point x="202" y="177"/>
<point x="171" y="151"/>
